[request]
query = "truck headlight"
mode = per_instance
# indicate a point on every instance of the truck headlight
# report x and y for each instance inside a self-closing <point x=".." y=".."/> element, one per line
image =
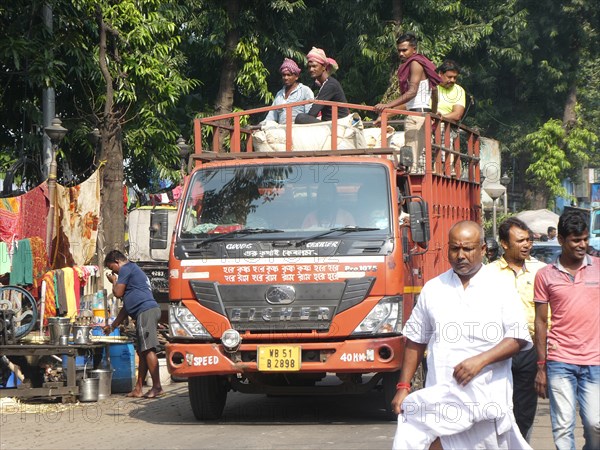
<point x="384" y="318"/>
<point x="183" y="324"/>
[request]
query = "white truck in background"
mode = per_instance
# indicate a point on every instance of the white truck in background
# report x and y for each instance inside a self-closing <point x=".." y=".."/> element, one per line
<point x="595" y="228"/>
<point x="150" y="229"/>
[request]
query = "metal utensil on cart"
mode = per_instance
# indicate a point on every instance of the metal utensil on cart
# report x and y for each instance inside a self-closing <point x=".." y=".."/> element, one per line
<point x="88" y="387"/>
<point x="59" y="326"/>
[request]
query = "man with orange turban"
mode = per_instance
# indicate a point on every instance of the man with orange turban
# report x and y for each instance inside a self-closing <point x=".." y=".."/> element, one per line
<point x="320" y="68"/>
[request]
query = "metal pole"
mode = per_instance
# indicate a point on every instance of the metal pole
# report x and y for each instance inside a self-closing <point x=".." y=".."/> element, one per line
<point x="48" y="101"/>
<point x="494" y="218"/>
<point x="55" y="133"/>
<point x="506" y="202"/>
<point x="51" y="197"/>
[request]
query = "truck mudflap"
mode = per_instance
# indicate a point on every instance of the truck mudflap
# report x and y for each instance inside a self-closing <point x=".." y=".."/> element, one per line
<point x="353" y="356"/>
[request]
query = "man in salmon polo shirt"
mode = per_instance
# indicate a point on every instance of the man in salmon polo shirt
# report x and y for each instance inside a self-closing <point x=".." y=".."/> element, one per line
<point x="569" y="354"/>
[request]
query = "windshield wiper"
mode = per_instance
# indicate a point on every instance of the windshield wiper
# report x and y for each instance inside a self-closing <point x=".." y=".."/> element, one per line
<point x="242" y="232"/>
<point x="346" y="229"/>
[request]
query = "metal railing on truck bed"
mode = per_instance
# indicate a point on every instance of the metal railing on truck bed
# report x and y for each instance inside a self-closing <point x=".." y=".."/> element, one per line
<point x="452" y="149"/>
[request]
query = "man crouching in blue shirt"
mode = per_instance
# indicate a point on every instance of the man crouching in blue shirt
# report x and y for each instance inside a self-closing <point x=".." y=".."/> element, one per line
<point x="132" y="285"/>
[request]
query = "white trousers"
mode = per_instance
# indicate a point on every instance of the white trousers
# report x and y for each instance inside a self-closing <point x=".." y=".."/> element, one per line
<point x="463" y="417"/>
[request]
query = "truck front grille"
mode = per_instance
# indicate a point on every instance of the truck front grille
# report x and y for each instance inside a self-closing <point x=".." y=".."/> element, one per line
<point x="275" y="308"/>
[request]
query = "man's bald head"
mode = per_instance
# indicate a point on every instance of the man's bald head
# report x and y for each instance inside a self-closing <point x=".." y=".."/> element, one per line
<point x="466" y="248"/>
<point x="470" y="225"/>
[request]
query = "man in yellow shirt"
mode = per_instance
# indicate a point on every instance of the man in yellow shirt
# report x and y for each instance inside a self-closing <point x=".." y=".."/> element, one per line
<point x="518" y="268"/>
<point x="451" y="97"/>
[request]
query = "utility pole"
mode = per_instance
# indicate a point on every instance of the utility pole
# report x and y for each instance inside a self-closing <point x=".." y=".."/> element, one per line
<point x="48" y="102"/>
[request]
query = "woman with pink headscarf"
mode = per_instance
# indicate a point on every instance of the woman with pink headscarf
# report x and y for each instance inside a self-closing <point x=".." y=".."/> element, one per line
<point x="292" y="91"/>
<point x="320" y="68"/>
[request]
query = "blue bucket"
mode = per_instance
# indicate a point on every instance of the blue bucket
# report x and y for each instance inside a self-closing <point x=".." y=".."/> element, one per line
<point x="80" y="361"/>
<point x="98" y="331"/>
<point x="12" y="381"/>
<point x="122" y="360"/>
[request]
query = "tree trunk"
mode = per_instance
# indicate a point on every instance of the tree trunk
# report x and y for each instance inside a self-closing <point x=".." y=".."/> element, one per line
<point x="536" y="199"/>
<point x="397" y="12"/>
<point x="111" y="194"/>
<point x="569" y="114"/>
<point x="224" y="100"/>
<point x="111" y="232"/>
<point x="393" y="90"/>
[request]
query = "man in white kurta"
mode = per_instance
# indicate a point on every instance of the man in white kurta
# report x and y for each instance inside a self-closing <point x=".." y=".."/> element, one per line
<point x="470" y="324"/>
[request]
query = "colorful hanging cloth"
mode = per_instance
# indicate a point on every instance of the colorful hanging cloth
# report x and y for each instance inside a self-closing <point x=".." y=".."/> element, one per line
<point x="22" y="264"/>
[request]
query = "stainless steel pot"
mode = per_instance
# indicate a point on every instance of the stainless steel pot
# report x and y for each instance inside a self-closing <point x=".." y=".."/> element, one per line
<point x="104" y="384"/>
<point x="88" y="389"/>
<point x="82" y="334"/>
<point x="58" y="326"/>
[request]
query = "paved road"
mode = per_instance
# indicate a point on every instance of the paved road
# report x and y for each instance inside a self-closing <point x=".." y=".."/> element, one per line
<point x="249" y="422"/>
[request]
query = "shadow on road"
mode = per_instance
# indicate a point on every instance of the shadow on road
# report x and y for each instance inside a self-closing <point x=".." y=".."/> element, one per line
<point x="257" y="409"/>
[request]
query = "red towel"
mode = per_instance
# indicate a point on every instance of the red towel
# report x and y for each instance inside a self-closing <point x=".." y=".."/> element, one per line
<point x="428" y="67"/>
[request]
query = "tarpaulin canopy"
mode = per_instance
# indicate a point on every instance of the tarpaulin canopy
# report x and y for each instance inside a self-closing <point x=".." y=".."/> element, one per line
<point x="539" y="220"/>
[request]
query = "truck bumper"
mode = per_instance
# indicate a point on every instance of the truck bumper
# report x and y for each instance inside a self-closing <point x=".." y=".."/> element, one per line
<point x="351" y="356"/>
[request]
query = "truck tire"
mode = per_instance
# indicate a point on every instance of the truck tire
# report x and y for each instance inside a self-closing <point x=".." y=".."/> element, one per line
<point x="207" y="396"/>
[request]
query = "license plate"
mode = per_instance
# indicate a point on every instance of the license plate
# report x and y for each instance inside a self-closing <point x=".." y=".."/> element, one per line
<point x="159" y="282"/>
<point x="279" y="358"/>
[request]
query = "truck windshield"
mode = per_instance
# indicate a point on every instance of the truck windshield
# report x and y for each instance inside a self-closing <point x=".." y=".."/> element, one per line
<point x="287" y="198"/>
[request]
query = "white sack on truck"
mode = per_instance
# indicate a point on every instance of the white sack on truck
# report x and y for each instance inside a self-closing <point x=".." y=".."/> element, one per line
<point x="271" y="137"/>
<point x="395" y="139"/>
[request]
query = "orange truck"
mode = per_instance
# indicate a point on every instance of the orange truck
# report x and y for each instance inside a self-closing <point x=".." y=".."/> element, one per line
<point x="292" y="272"/>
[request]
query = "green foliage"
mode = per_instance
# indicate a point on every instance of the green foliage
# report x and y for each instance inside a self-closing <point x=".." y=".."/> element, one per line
<point x="521" y="76"/>
<point x="145" y="66"/>
<point x="554" y="151"/>
<point x="589" y="100"/>
<point x="488" y="221"/>
<point x="520" y="59"/>
<point x="549" y="157"/>
<point x="267" y="30"/>
<point x="252" y="77"/>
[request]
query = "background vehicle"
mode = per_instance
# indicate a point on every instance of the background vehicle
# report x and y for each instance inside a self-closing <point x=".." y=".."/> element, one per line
<point x="595" y="228"/>
<point x="546" y="251"/>
<point x="273" y="288"/>
<point x="150" y="230"/>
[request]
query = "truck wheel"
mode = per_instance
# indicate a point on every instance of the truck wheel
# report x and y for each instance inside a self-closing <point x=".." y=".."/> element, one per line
<point x="389" y="381"/>
<point x="207" y="396"/>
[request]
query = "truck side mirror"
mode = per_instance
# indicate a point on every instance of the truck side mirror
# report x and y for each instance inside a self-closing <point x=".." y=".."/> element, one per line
<point x="159" y="221"/>
<point x="419" y="221"/>
<point x="406" y="156"/>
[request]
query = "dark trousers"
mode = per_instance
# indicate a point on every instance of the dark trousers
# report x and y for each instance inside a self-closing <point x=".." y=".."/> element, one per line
<point x="304" y="118"/>
<point x="524" y="369"/>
